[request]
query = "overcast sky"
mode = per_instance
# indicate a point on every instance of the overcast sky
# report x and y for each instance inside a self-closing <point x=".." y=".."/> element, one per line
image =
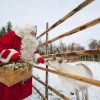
<point x="38" y="12"/>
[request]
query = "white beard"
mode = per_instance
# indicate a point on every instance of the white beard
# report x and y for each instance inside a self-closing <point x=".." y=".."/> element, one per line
<point x="28" y="46"/>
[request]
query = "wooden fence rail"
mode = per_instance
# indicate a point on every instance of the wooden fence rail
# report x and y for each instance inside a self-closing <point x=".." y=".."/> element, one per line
<point x="76" y="77"/>
<point x="82" y="5"/>
<point x="80" y="28"/>
<point x="39" y="93"/>
<point x="81" y="52"/>
<point x="52" y="89"/>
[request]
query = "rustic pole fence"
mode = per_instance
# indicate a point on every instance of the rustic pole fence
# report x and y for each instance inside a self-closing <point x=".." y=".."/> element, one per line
<point x="74" y="53"/>
<point x="76" y="77"/>
<point x="78" y="8"/>
<point x="82" y="52"/>
<point x="40" y="93"/>
<point x="80" y="28"/>
<point x="52" y="89"/>
<point x="46" y="88"/>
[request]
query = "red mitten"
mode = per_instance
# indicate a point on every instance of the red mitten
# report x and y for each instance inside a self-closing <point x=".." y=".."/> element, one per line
<point x="38" y="57"/>
<point x="40" y="60"/>
<point x="15" y="56"/>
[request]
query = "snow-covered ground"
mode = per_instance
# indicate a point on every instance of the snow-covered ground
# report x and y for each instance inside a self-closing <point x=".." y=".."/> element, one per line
<point x="54" y="81"/>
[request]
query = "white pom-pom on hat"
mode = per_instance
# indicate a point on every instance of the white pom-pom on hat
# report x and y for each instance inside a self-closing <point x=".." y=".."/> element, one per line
<point x="33" y="28"/>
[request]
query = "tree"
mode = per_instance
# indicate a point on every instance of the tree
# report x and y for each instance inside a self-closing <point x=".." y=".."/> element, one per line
<point x="41" y="50"/>
<point x="9" y="26"/>
<point x="3" y="31"/>
<point x="6" y="29"/>
<point x="62" y="47"/>
<point x="75" y="47"/>
<point x="99" y="44"/>
<point x="93" y="44"/>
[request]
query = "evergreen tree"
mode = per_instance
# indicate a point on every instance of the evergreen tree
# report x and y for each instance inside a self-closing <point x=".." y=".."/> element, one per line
<point x="9" y="26"/>
<point x="6" y="29"/>
<point x="3" y="31"/>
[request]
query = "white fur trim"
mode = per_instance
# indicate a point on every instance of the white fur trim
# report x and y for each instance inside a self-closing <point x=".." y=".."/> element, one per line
<point x="18" y="32"/>
<point x="36" y="56"/>
<point x="9" y="56"/>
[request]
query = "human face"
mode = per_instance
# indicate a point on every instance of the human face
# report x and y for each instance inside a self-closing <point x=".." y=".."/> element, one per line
<point x="33" y="34"/>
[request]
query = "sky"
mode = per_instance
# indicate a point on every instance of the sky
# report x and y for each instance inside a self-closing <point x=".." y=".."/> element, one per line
<point x="39" y="12"/>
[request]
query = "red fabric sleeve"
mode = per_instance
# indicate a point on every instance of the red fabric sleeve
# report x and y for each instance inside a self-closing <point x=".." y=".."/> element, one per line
<point x="10" y="41"/>
<point x="5" y="42"/>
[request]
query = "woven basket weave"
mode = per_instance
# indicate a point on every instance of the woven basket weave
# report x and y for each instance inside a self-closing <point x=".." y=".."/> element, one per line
<point x="11" y="77"/>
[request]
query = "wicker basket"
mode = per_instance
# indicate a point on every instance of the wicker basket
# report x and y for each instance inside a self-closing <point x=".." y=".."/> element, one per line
<point x="11" y="77"/>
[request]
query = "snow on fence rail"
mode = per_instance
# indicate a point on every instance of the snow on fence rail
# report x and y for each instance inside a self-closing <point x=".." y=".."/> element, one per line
<point x="82" y="52"/>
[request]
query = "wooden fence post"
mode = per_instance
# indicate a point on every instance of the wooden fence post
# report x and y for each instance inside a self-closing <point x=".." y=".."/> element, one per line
<point x="46" y="76"/>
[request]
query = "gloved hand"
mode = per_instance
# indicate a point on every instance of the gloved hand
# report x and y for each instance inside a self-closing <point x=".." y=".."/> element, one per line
<point x="40" y="60"/>
<point x="15" y="56"/>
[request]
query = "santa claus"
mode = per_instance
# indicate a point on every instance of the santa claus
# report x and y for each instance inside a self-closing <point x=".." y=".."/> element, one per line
<point x="20" y="43"/>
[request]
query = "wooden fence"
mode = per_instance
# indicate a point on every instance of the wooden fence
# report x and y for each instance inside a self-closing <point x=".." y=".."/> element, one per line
<point x="82" y="52"/>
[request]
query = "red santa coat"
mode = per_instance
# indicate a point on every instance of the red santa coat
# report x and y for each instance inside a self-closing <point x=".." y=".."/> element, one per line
<point x="19" y="90"/>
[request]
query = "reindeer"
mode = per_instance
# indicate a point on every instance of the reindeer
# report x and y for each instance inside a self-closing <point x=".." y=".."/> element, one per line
<point x="78" y="69"/>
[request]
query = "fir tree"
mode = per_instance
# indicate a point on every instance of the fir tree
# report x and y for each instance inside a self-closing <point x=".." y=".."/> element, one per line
<point x="3" y="31"/>
<point x="9" y="26"/>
